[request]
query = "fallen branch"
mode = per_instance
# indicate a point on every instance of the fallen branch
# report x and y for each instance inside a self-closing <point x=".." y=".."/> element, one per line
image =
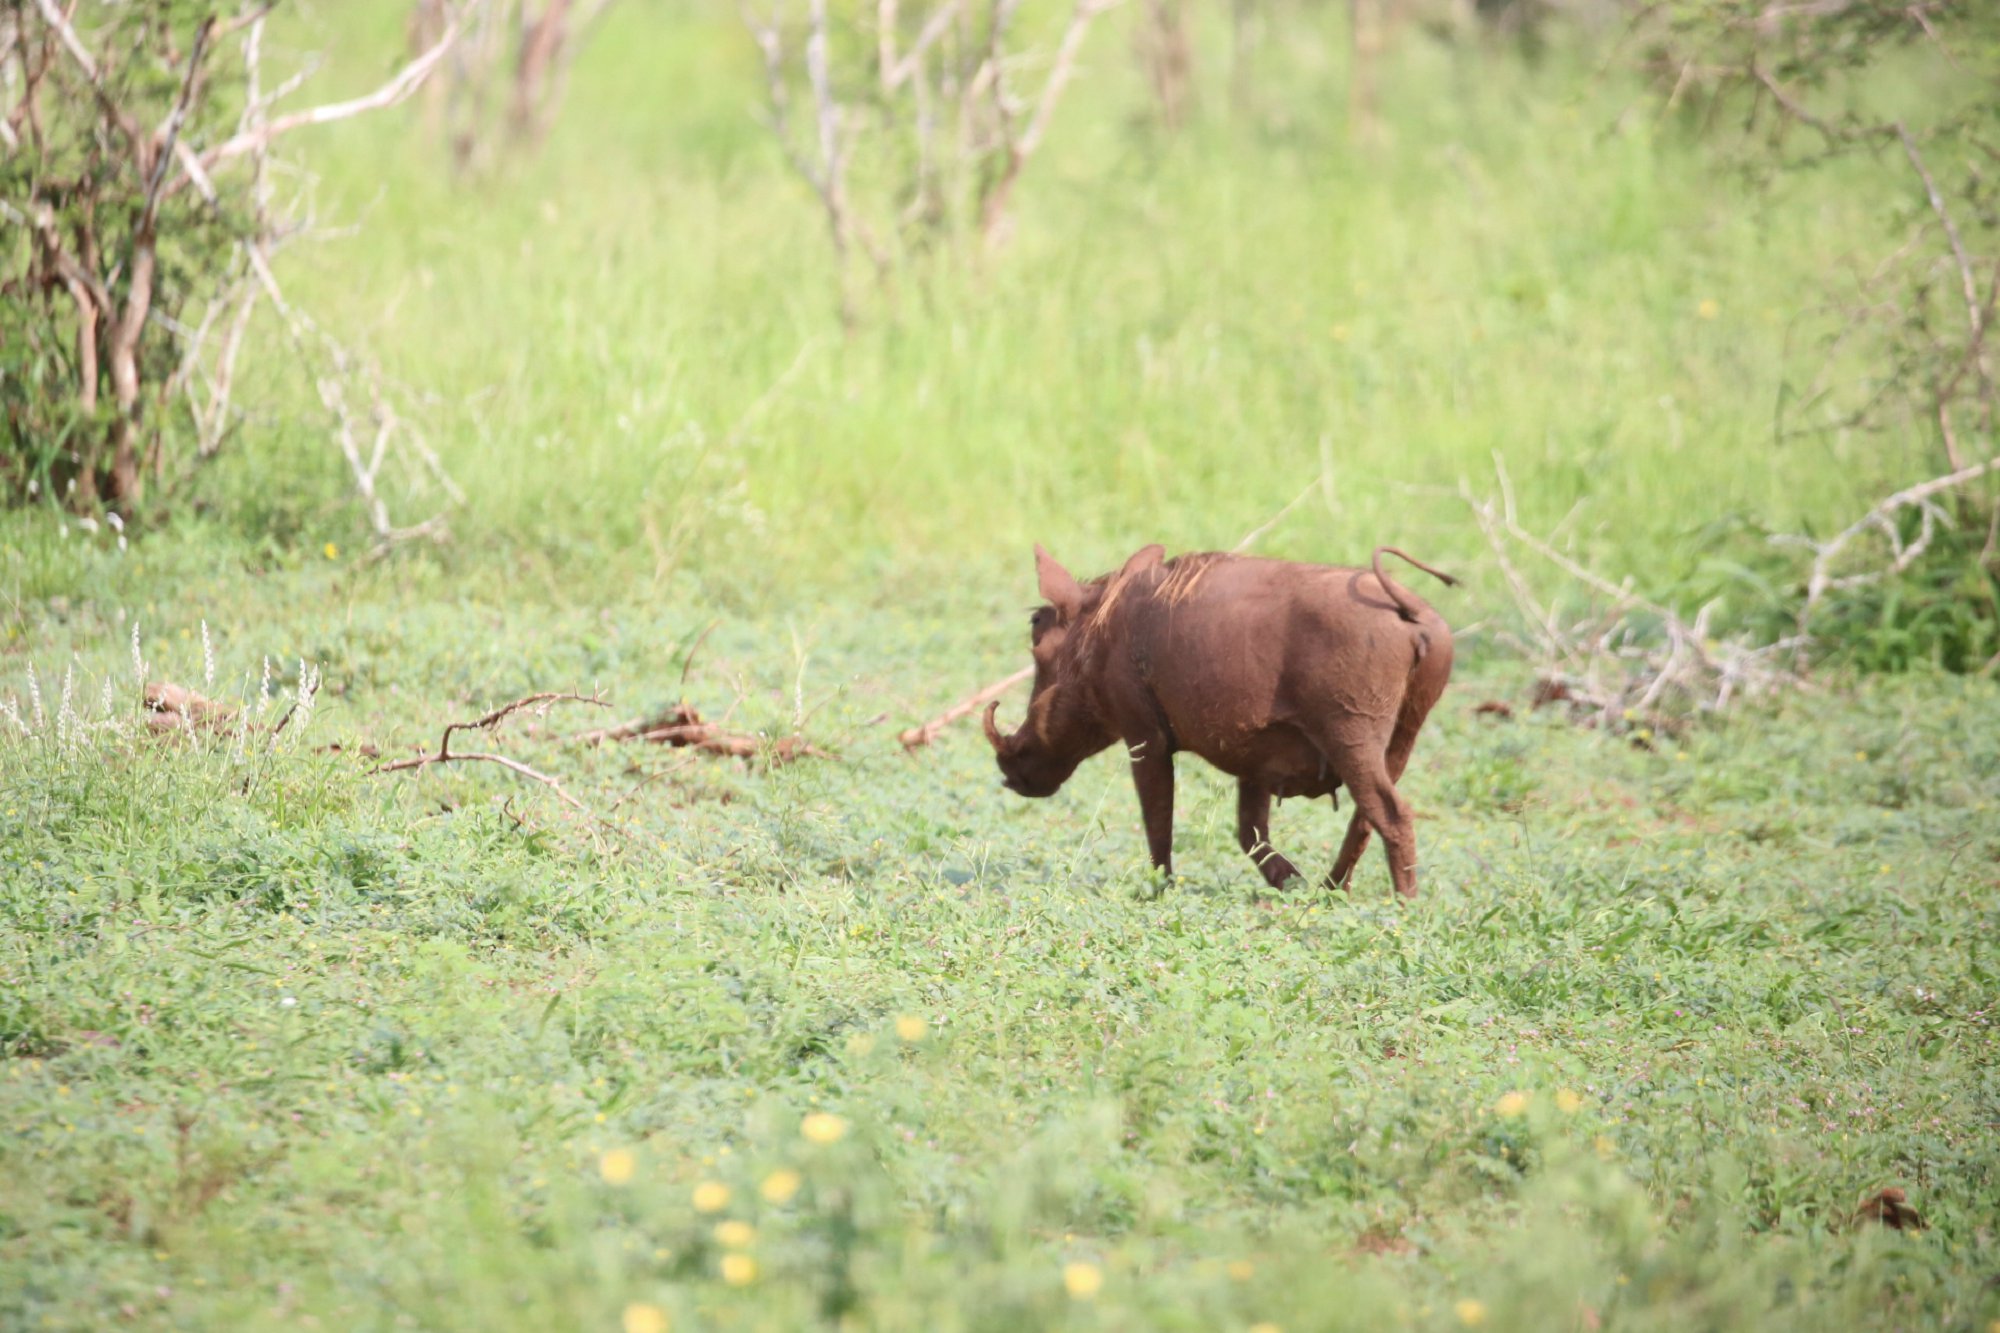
<point x="917" y="737"/>
<point x="1618" y="673"/>
<point x="683" y="726"/>
<point x="171" y="707"/>
<point x="1822" y="580"/>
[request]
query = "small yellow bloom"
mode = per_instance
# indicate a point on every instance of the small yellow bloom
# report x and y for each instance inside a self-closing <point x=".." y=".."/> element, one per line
<point x="780" y="1186"/>
<point x="1604" y="1146"/>
<point x="643" y="1318"/>
<point x="823" y="1128"/>
<point x="911" y="1028"/>
<point x="1709" y="308"/>
<point x="1471" y="1313"/>
<point x="711" y="1196"/>
<point x="739" y="1270"/>
<point x="1512" y="1104"/>
<point x="332" y="551"/>
<point x="734" y="1235"/>
<point x="1241" y="1269"/>
<point x="1568" y="1102"/>
<point x="1083" y="1281"/>
<point x="617" y="1166"/>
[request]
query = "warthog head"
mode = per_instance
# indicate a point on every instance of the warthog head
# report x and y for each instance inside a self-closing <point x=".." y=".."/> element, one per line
<point x="1066" y="721"/>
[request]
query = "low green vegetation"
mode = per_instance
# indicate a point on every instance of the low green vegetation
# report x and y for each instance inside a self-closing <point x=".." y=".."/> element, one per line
<point x="862" y="1040"/>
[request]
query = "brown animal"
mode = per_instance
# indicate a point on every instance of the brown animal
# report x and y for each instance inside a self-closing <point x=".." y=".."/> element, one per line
<point x="1294" y="679"/>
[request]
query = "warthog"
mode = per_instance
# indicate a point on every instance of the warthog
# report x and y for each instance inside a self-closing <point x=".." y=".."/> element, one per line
<point x="1294" y="679"/>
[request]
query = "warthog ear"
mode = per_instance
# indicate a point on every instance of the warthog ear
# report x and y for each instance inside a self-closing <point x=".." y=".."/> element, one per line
<point x="1142" y="560"/>
<point x="1059" y="587"/>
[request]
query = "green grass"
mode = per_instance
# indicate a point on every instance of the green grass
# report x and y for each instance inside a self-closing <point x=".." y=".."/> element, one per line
<point x="284" y="1043"/>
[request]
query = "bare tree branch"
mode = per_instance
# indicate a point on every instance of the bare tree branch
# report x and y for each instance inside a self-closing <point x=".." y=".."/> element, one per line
<point x="1881" y="518"/>
<point x="169" y="134"/>
<point x="1018" y="150"/>
<point x="399" y="87"/>
<point x="897" y="72"/>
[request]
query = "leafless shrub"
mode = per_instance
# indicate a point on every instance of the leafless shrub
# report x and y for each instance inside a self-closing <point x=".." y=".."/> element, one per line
<point x="916" y="128"/>
<point x="511" y="69"/>
<point x="1904" y="346"/>
<point x="139" y="164"/>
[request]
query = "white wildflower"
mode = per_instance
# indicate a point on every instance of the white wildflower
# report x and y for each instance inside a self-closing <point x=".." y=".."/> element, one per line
<point x="67" y="724"/>
<point x="302" y="707"/>
<point x="207" y="659"/>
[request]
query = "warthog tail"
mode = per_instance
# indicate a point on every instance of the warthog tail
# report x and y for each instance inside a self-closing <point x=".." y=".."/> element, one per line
<point x="1404" y="608"/>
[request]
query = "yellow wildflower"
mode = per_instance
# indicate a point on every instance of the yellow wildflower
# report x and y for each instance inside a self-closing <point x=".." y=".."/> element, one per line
<point x="823" y="1128"/>
<point x="735" y="1235"/>
<point x="1241" y="1269"/>
<point x="739" y="1270"/>
<point x="711" y="1196"/>
<point x="1709" y="307"/>
<point x="780" y="1186"/>
<point x="1568" y="1102"/>
<point x="332" y="551"/>
<point x="1471" y="1313"/>
<point x="617" y="1166"/>
<point x="1083" y="1281"/>
<point x="1512" y="1104"/>
<point x="911" y="1028"/>
<point x="641" y="1317"/>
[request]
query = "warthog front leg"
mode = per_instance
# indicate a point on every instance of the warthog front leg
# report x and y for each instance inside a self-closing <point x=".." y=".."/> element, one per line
<point x="1153" y="775"/>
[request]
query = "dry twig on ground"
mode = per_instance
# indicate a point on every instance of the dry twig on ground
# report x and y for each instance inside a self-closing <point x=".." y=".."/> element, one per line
<point x="540" y="703"/>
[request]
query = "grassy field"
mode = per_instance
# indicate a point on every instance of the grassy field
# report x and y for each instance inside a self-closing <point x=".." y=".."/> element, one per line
<point x="862" y="1041"/>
